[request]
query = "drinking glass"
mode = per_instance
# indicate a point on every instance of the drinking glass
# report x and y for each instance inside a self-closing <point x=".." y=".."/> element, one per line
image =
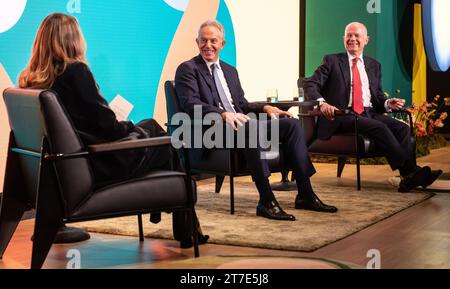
<point x="298" y="94"/>
<point x="272" y="95"/>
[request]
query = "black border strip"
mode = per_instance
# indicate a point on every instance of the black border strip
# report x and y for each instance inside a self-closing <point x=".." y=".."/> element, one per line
<point x="302" y="30"/>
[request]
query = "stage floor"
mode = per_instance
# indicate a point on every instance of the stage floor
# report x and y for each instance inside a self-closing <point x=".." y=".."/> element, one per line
<point x="418" y="237"/>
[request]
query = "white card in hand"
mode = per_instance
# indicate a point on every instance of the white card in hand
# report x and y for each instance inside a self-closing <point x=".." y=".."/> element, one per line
<point x="121" y="107"/>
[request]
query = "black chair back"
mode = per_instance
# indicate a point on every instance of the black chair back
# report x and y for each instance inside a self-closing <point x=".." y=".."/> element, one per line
<point x="26" y="138"/>
<point x="36" y="118"/>
<point x="75" y="176"/>
<point x="309" y="123"/>
<point x="172" y="103"/>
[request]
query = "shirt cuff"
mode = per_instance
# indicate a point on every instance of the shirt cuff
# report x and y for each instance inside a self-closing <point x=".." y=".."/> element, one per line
<point x="386" y="106"/>
<point x="321" y="101"/>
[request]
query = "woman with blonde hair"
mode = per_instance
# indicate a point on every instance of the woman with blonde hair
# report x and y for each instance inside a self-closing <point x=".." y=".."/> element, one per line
<point x="59" y="43"/>
<point x="58" y="62"/>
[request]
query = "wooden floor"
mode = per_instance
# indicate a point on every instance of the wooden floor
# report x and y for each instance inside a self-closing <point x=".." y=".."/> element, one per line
<point x="418" y="237"/>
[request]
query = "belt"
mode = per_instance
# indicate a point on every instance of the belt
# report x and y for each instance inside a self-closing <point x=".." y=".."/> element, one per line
<point x="366" y="111"/>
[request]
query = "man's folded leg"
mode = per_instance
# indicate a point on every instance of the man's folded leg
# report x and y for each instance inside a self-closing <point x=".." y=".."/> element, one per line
<point x="418" y="177"/>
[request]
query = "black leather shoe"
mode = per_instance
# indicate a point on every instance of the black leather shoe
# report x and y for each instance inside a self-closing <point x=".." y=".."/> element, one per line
<point x="202" y="239"/>
<point x="434" y="175"/>
<point x="314" y="205"/>
<point x="69" y="235"/>
<point x="419" y="178"/>
<point x="273" y="211"/>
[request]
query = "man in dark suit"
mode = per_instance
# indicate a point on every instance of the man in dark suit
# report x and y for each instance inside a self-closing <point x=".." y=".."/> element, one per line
<point x="352" y="80"/>
<point x="214" y="85"/>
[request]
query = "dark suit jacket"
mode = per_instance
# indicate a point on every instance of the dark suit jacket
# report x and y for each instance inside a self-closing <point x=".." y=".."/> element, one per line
<point x="195" y="86"/>
<point x="96" y="122"/>
<point x="88" y="110"/>
<point x="331" y="81"/>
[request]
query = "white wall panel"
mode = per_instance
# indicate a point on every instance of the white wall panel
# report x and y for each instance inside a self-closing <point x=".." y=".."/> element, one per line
<point x="267" y="45"/>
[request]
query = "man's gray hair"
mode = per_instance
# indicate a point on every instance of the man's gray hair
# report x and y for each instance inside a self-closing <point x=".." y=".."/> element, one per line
<point x="356" y="23"/>
<point x="213" y="23"/>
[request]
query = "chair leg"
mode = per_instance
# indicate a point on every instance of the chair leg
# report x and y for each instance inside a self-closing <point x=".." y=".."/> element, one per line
<point x="14" y="201"/>
<point x="284" y="184"/>
<point x="141" y="230"/>
<point x="231" y="194"/>
<point x="219" y="182"/>
<point x="195" y="227"/>
<point x="11" y="213"/>
<point x="49" y="212"/>
<point x="45" y="230"/>
<point x="357" y="146"/>
<point x="285" y="176"/>
<point x="358" y="174"/>
<point x="341" y="165"/>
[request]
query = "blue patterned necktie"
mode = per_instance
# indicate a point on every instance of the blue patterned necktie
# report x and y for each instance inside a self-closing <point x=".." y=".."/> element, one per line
<point x="223" y="97"/>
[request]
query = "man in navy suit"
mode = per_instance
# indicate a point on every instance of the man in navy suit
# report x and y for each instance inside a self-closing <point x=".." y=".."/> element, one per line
<point x="353" y="80"/>
<point x="214" y="85"/>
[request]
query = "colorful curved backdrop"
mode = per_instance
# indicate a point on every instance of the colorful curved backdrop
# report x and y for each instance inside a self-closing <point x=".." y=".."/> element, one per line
<point x="134" y="46"/>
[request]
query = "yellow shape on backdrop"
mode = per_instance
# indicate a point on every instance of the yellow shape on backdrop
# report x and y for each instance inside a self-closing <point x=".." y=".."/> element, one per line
<point x="419" y="60"/>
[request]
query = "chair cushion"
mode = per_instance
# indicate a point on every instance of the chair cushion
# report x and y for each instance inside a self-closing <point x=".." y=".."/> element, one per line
<point x="166" y="191"/>
<point x="216" y="161"/>
<point x="342" y="144"/>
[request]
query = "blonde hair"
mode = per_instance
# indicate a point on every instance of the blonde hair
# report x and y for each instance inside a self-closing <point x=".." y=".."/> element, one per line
<point x="59" y="42"/>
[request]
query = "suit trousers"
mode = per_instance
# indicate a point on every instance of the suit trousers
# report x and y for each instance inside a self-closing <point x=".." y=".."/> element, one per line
<point x="292" y="139"/>
<point x="391" y="136"/>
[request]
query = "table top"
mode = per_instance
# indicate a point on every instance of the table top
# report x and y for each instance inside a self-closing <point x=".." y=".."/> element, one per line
<point x="287" y="104"/>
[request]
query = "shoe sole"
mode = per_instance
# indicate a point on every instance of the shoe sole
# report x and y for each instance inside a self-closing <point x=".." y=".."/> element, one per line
<point x="434" y="179"/>
<point x="271" y="218"/>
<point x="322" y="211"/>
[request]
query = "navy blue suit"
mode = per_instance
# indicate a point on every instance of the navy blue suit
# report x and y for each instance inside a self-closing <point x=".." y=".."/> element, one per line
<point x="331" y="81"/>
<point x="195" y="86"/>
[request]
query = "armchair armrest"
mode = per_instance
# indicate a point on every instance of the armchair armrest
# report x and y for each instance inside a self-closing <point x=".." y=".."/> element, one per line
<point x="131" y="144"/>
<point x="407" y="112"/>
<point x="308" y="103"/>
<point x="314" y="113"/>
<point x="113" y="146"/>
<point x="195" y="123"/>
<point x="402" y="110"/>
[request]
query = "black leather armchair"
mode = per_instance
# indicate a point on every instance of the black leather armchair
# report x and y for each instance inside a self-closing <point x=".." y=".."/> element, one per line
<point x="218" y="162"/>
<point x="344" y="146"/>
<point x="48" y="168"/>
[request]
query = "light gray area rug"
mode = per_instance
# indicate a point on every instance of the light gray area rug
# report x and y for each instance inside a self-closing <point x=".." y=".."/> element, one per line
<point x="311" y="230"/>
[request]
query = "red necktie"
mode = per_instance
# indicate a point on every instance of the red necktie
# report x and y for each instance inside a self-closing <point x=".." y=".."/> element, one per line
<point x="357" y="96"/>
